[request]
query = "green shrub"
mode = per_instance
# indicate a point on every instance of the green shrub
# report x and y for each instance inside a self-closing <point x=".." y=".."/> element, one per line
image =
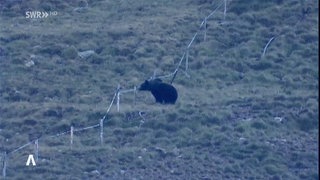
<point x="258" y="125"/>
<point x="69" y="53"/>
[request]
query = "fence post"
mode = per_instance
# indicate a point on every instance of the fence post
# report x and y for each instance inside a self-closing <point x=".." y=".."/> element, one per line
<point x="265" y="48"/>
<point x="118" y="101"/>
<point x="142" y="120"/>
<point x="101" y="130"/>
<point x="71" y="136"/>
<point x="225" y="10"/>
<point x="36" y="143"/>
<point x="4" y="164"/>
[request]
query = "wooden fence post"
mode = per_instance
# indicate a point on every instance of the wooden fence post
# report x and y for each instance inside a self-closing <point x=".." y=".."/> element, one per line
<point x="101" y="130"/>
<point x="36" y="143"/>
<point x="118" y="101"/>
<point x="225" y="10"/>
<point x="4" y="168"/>
<point x="71" y="136"/>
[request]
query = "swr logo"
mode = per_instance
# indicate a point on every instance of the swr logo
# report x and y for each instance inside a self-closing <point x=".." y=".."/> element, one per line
<point x="36" y="14"/>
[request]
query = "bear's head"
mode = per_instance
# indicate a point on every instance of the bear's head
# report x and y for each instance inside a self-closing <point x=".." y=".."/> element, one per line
<point x="144" y="86"/>
<point x="147" y="85"/>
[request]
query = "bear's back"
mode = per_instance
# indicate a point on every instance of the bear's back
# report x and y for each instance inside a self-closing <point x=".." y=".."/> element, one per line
<point x="163" y="93"/>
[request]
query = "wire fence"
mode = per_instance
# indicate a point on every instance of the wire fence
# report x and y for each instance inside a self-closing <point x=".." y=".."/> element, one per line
<point x="5" y="157"/>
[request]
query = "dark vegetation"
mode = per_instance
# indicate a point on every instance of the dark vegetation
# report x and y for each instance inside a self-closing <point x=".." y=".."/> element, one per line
<point x="239" y="115"/>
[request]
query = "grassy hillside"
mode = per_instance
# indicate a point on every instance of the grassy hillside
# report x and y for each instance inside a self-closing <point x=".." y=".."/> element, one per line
<point x="240" y="114"/>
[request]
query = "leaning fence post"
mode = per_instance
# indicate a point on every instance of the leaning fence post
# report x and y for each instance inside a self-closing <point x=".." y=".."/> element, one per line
<point x="265" y="48"/>
<point x="71" y="135"/>
<point x="4" y="164"/>
<point x="101" y="130"/>
<point x="36" y="143"/>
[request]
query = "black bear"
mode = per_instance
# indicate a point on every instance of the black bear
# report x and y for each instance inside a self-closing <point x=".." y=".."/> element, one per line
<point x="163" y="92"/>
